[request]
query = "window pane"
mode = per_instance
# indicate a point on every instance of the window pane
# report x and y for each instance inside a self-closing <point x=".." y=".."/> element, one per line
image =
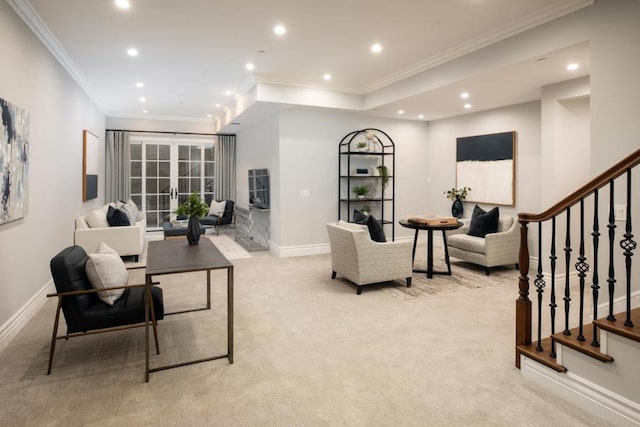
<point x="152" y="219"/>
<point x="136" y="169"/>
<point x="183" y="185"/>
<point x="208" y="154"/>
<point x="165" y="216"/>
<point x="152" y="186"/>
<point x="208" y="169"/>
<point x="195" y="169"/>
<point x="195" y="185"/>
<point x="136" y="151"/>
<point x="152" y="202"/>
<point x="136" y="186"/>
<point x="163" y="202"/>
<point x="164" y="169"/>
<point x="164" y="152"/>
<point x="152" y="169"/>
<point x="182" y="198"/>
<point x="196" y="152"/>
<point x="164" y="185"/>
<point x="152" y="151"/>
<point x="137" y="200"/>
<point x="183" y="169"/>
<point x="183" y="152"/>
<point x="208" y="197"/>
<point x="208" y="185"/>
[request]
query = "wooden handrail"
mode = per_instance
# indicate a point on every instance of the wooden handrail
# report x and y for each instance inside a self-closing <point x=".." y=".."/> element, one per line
<point x="598" y="182"/>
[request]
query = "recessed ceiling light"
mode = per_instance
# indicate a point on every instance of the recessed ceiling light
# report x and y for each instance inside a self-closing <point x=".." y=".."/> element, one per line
<point x="143" y="99"/>
<point x="132" y="51"/>
<point x="279" y="30"/>
<point x="573" y="66"/>
<point x="139" y="84"/>
<point x="228" y="93"/>
<point x="376" y="48"/>
<point x="145" y="111"/>
<point x="249" y="66"/>
<point x="217" y="105"/>
<point x="467" y="106"/>
<point x="326" y="76"/>
<point x="464" y="95"/>
<point x="421" y="116"/>
<point x="400" y="111"/>
<point x="123" y="4"/>
<point x="209" y="115"/>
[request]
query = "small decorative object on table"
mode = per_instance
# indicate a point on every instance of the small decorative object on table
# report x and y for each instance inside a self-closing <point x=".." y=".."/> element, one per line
<point x="457" y="195"/>
<point x="195" y="208"/>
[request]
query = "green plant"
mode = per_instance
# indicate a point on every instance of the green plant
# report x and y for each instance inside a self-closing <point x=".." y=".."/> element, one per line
<point x="360" y="190"/>
<point x="384" y="174"/>
<point x="193" y="206"/>
<point x="361" y="145"/>
<point x="366" y="209"/>
<point x="457" y="193"/>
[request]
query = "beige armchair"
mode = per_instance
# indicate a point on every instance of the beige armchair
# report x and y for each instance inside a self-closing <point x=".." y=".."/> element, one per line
<point x="363" y="261"/>
<point x="494" y="249"/>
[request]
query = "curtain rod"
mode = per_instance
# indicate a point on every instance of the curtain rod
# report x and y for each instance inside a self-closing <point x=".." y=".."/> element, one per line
<point x="168" y="132"/>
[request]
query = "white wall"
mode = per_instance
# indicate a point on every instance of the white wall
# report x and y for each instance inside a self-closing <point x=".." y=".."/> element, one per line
<point x="150" y="124"/>
<point x="441" y="156"/>
<point x="31" y="78"/>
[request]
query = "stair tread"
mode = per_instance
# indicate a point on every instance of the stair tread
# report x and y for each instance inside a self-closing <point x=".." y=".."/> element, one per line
<point x="541" y="356"/>
<point x="617" y="326"/>
<point x="584" y="347"/>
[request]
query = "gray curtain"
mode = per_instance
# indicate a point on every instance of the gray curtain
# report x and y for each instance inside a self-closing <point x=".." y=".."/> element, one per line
<point x="225" y="158"/>
<point x="117" y="165"/>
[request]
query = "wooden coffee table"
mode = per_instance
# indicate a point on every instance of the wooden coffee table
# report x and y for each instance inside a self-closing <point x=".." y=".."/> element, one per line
<point x="177" y="256"/>
<point x="430" y="229"/>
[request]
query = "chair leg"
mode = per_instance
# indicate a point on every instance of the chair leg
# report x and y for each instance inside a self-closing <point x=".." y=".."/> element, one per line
<point x="333" y="274"/>
<point x="52" y="348"/>
<point x="517" y="266"/>
<point x="408" y="282"/>
<point x="359" y="291"/>
<point x="487" y="271"/>
<point x="154" y="323"/>
<point x="136" y="258"/>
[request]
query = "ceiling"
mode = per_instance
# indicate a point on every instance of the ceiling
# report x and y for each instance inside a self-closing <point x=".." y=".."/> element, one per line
<point x="192" y="53"/>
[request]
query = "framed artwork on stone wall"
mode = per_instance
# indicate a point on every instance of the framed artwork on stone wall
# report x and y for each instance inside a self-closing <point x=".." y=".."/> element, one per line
<point x="90" y="144"/>
<point x="487" y="164"/>
<point x="14" y="162"/>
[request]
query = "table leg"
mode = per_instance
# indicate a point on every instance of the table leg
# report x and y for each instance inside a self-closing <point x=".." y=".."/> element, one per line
<point x="230" y="314"/>
<point x="446" y="251"/>
<point x="147" y="290"/>
<point x="415" y="241"/>
<point x="429" y="254"/>
<point x="208" y="289"/>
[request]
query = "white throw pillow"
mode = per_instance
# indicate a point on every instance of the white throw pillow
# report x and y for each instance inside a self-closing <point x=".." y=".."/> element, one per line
<point x="105" y="269"/>
<point x="127" y="210"/>
<point x="97" y="219"/>
<point x="134" y="210"/>
<point x="217" y="208"/>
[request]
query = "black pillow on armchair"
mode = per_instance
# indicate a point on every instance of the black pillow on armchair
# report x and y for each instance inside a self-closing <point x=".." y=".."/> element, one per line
<point x="483" y="223"/>
<point x="376" y="232"/>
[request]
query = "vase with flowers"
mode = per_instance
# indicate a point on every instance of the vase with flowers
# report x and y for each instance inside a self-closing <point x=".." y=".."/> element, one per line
<point x="195" y="208"/>
<point x="457" y="195"/>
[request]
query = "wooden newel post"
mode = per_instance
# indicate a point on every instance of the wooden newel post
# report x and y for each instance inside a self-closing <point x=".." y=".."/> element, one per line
<point x="523" y="303"/>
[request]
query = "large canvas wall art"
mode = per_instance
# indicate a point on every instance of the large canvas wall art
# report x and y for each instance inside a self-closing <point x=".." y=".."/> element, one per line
<point x="89" y="166"/>
<point x="486" y="163"/>
<point x="14" y="162"/>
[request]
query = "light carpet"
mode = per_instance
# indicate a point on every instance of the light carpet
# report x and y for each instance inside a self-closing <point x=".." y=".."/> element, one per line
<point x="226" y="244"/>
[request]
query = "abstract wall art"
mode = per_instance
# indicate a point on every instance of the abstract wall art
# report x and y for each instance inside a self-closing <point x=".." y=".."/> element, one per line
<point x="14" y="162"/>
<point x="486" y="163"/>
<point x="89" y="166"/>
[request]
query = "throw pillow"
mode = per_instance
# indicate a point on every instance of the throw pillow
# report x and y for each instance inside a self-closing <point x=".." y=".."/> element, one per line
<point x="117" y="217"/>
<point x="483" y="223"/>
<point x="127" y="210"/>
<point x="359" y="217"/>
<point x="105" y="269"/>
<point x="97" y="219"/>
<point x="375" y="229"/>
<point x="217" y="208"/>
<point x="134" y="210"/>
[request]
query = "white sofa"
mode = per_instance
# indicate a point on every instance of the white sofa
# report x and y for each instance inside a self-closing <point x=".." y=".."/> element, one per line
<point x="363" y="261"/>
<point x="494" y="249"/>
<point x="126" y="240"/>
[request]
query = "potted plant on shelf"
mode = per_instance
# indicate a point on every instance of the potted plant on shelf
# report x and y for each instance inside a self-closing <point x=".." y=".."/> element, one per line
<point x="457" y="195"/>
<point x="366" y="209"/>
<point x="195" y="208"/>
<point x="360" y="191"/>
<point x="362" y="146"/>
<point x="384" y="174"/>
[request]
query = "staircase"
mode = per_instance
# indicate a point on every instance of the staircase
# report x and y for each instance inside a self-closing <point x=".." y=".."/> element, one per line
<point x="588" y="340"/>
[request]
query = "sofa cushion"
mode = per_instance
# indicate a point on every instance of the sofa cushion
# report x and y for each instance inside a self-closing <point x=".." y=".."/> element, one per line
<point x="467" y="243"/>
<point x="105" y="269"/>
<point x="117" y="217"/>
<point x="97" y="219"/>
<point x="483" y="223"/>
<point x="505" y="224"/>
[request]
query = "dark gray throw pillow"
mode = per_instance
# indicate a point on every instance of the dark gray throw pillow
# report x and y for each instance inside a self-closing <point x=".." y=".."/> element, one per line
<point x="117" y="218"/>
<point x="375" y="227"/>
<point x="483" y="223"/>
<point x="359" y="217"/>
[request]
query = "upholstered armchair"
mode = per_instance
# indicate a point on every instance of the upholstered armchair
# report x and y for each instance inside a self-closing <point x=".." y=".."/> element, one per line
<point x="218" y="217"/>
<point x="500" y="248"/>
<point x="362" y="261"/>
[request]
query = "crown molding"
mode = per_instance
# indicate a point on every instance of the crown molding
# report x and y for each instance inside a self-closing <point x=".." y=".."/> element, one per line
<point x="207" y="120"/>
<point x="28" y="14"/>
<point x="550" y="13"/>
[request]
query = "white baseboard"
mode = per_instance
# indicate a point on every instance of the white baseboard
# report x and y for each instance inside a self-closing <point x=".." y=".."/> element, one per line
<point x="301" y="250"/>
<point x="620" y="303"/>
<point x="15" y="324"/>
<point x="604" y="404"/>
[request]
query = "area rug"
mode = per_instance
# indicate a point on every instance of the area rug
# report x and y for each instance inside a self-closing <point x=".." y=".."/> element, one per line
<point x="224" y="243"/>
<point x="464" y="277"/>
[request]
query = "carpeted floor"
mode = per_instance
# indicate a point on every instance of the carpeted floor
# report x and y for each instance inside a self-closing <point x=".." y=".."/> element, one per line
<point x="308" y="352"/>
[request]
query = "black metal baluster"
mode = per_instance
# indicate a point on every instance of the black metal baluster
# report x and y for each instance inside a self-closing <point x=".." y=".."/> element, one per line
<point x="595" y="284"/>
<point x="582" y="268"/>
<point x="567" y="263"/>
<point x="553" y="304"/>
<point x="629" y="245"/>
<point x="612" y="235"/>
<point x="539" y="282"/>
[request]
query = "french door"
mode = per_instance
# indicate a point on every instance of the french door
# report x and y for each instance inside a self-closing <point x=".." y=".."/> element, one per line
<point x="164" y="173"/>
